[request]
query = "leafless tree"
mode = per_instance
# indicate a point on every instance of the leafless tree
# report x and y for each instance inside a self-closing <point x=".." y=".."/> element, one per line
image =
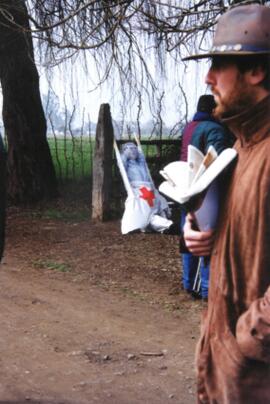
<point x="125" y="38"/>
<point x="31" y="173"/>
<point x="117" y="31"/>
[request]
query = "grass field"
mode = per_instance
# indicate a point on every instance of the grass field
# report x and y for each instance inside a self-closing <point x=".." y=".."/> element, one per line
<point x="72" y="157"/>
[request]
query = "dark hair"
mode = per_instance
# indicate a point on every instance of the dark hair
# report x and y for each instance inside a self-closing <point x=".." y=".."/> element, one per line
<point x="206" y="103"/>
<point x="245" y="63"/>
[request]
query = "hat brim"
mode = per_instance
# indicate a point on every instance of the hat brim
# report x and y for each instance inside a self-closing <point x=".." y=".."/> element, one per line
<point x="225" y="53"/>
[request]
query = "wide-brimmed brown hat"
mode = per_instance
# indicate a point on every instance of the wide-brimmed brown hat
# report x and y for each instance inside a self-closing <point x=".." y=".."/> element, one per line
<point x="242" y="30"/>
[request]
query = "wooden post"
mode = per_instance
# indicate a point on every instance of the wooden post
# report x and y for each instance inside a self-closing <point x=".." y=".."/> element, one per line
<point x="102" y="165"/>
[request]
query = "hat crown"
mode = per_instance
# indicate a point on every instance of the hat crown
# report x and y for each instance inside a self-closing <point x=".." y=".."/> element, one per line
<point x="245" y="28"/>
<point x="242" y="30"/>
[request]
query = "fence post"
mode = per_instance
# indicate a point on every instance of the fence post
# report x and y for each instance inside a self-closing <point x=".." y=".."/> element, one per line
<point x="102" y="165"/>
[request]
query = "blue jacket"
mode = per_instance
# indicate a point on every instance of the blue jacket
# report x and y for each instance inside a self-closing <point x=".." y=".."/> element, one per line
<point x="204" y="131"/>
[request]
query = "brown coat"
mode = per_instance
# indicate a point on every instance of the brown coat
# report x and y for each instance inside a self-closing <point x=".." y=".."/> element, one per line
<point x="233" y="354"/>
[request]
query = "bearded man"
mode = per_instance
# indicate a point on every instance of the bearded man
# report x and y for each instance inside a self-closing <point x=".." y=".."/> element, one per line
<point x="233" y="354"/>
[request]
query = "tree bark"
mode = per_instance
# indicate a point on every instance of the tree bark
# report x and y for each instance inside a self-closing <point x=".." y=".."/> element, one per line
<point x="31" y="174"/>
<point x="2" y="197"/>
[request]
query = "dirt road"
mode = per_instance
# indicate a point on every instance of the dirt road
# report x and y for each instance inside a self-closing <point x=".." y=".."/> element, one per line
<point x="102" y="329"/>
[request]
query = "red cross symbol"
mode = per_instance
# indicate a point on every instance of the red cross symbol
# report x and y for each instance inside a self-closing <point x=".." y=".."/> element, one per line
<point x="149" y="196"/>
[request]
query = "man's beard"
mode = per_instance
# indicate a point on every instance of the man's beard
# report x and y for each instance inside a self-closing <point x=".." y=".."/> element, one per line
<point x="240" y="98"/>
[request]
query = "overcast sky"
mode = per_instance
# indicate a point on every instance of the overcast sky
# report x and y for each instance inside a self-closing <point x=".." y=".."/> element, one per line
<point x="76" y="87"/>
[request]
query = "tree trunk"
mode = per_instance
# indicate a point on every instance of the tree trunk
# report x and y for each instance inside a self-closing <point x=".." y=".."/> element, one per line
<point x="31" y="174"/>
<point x="2" y="197"/>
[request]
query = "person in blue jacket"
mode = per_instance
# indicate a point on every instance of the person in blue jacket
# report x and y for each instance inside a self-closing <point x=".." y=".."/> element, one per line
<point x="203" y="131"/>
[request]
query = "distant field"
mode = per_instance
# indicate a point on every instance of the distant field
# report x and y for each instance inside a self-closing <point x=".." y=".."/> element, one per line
<point x="72" y="157"/>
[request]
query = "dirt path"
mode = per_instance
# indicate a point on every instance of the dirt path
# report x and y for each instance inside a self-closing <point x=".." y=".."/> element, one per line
<point x="109" y="330"/>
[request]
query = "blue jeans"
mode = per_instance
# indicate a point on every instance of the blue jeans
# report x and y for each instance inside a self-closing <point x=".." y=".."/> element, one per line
<point x="190" y="266"/>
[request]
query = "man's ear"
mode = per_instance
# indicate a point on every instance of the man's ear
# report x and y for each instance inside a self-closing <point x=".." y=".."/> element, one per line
<point x="256" y="75"/>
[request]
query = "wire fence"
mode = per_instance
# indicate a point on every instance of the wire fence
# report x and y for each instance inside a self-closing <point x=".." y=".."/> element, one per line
<point x="73" y="156"/>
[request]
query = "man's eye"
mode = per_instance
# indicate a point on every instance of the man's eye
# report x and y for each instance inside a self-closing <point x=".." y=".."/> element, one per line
<point x="217" y="64"/>
<point x="220" y="63"/>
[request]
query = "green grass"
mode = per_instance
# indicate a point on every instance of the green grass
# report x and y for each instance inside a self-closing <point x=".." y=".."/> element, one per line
<point x="72" y="157"/>
<point x="52" y="265"/>
<point x="78" y="215"/>
<point x="72" y="216"/>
